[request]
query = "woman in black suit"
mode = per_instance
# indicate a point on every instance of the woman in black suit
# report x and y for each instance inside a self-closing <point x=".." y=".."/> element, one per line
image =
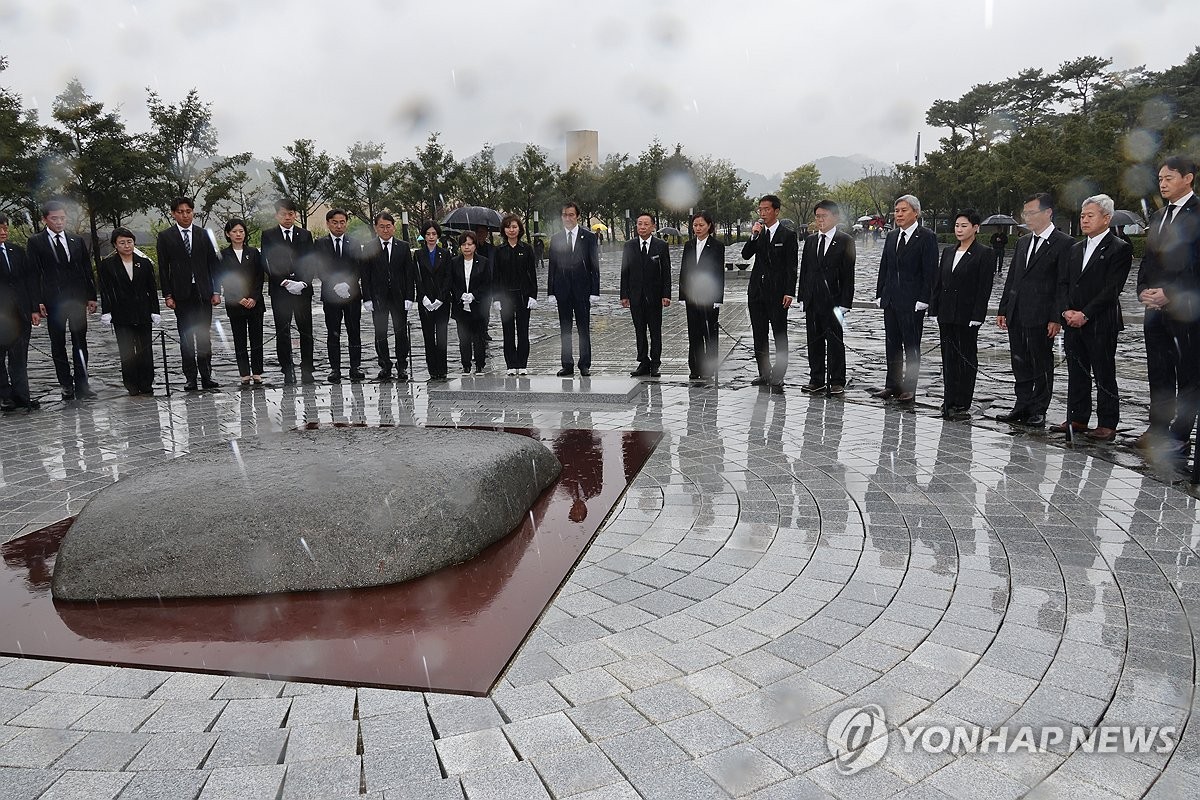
<point x="702" y="289"/>
<point x="961" y="288"/>
<point x="130" y="299"/>
<point x="242" y="277"/>
<point x="470" y="285"/>
<point x="433" y="294"/>
<point x="514" y="286"/>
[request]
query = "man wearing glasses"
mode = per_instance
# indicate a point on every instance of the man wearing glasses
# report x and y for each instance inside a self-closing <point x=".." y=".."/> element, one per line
<point x="1029" y="311"/>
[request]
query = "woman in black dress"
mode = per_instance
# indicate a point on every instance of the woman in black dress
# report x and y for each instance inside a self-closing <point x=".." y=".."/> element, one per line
<point x="702" y="289"/>
<point x="433" y="298"/>
<point x="130" y="300"/>
<point x="242" y="277"/>
<point x="470" y="285"/>
<point x="514" y="287"/>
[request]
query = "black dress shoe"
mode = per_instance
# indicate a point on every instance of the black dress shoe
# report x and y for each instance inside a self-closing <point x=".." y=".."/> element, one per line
<point x="959" y="415"/>
<point x="1035" y="421"/>
<point x="1014" y="417"/>
<point x="357" y="375"/>
<point x="85" y="393"/>
<point x="760" y="381"/>
<point x="640" y="372"/>
<point x="812" y="387"/>
<point x="335" y="377"/>
<point x="190" y="387"/>
<point x="384" y="375"/>
<point x="308" y="379"/>
<point x="693" y="376"/>
<point x="586" y="373"/>
<point x="655" y="373"/>
<point x="401" y="376"/>
<point x="565" y="373"/>
<point x="886" y="394"/>
<point x="209" y="383"/>
<point x="289" y="377"/>
<point x="7" y="405"/>
<point x="906" y="397"/>
<point x="29" y="405"/>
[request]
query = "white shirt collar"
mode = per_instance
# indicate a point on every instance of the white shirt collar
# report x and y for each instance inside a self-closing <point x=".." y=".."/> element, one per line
<point x="571" y="231"/>
<point x="829" y="233"/>
<point x="701" y="242"/>
<point x="384" y="242"/>
<point x="772" y="228"/>
<point x="182" y="228"/>
<point x="647" y="239"/>
<point x="1095" y="240"/>
<point x="909" y="230"/>
<point x="1183" y="201"/>
<point x="286" y="231"/>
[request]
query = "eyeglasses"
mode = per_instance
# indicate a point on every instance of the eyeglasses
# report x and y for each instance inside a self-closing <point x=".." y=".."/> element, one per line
<point x="1028" y="214"/>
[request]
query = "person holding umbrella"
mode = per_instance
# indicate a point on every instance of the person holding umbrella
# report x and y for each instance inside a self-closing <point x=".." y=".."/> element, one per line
<point x="999" y="241"/>
<point x="514" y="285"/>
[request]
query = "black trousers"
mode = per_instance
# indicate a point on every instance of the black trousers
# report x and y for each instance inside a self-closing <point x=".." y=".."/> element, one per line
<point x="514" y="319"/>
<point x="72" y="314"/>
<point x="772" y="316"/>
<point x="647" y="329"/>
<point x="193" y="318"/>
<point x="902" y="329"/>
<point x="1032" y="353"/>
<point x="14" y="370"/>
<point x="471" y="346"/>
<point x="1092" y="354"/>
<point x="576" y="311"/>
<point x="960" y="362"/>
<point x="248" y="342"/>
<point x="335" y="314"/>
<point x="435" y="325"/>
<point x="1187" y="377"/>
<point x="1161" y="364"/>
<point x="137" y="356"/>
<point x="702" y="339"/>
<point x="284" y="308"/>
<point x="825" y="340"/>
<point x="393" y="310"/>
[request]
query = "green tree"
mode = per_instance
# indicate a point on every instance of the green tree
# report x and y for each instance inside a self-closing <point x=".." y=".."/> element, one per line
<point x="21" y="141"/>
<point x="800" y="190"/>
<point x="583" y="184"/>
<point x="305" y="176"/>
<point x="528" y="184"/>
<point x="481" y="181"/>
<point x="722" y="192"/>
<point x="1079" y="78"/>
<point x="431" y="180"/>
<point x="100" y="165"/>
<point x="183" y="141"/>
<point x="363" y="183"/>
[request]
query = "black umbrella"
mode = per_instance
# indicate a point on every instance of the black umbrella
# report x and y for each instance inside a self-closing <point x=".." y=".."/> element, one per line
<point x="1000" y="219"/>
<point x="472" y="217"/>
<point x="1121" y="218"/>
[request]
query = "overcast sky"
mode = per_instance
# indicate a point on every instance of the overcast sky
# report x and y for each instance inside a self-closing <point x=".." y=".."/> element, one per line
<point x="768" y="85"/>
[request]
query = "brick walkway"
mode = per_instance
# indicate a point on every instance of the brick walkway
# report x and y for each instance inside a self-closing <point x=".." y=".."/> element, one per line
<point x="779" y="560"/>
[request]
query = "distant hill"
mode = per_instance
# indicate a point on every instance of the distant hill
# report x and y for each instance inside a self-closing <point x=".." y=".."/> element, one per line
<point x="846" y="169"/>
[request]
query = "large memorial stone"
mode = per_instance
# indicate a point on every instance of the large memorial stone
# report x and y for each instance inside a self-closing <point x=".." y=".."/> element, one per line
<point x="320" y="509"/>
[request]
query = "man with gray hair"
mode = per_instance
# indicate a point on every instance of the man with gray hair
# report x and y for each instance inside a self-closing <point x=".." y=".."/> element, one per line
<point x="906" y="270"/>
<point x="1090" y="292"/>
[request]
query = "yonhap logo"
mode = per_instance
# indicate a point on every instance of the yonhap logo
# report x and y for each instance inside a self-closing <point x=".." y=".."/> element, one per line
<point x="857" y="738"/>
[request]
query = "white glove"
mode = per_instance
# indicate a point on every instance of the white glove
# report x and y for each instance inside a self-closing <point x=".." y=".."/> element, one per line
<point x="975" y="323"/>
<point x="106" y="319"/>
<point x="496" y="304"/>
<point x="156" y="319"/>
<point x="342" y="290"/>
<point x="293" y="287"/>
<point x="532" y="304"/>
<point x="425" y="301"/>
<point x="921" y="306"/>
<point x="436" y="305"/>
<point x="879" y="302"/>
<point x="799" y="305"/>
<point x="716" y="305"/>
<point x="409" y="305"/>
<point x="368" y="306"/>
<point x="595" y="298"/>
<point x="467" y="298"/>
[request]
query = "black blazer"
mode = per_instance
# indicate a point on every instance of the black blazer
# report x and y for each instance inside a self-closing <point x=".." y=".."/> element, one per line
<point x="645" y="278"/>
<point x="776" y="263"/>
<point x="702" y="283"/>
<point x="290" y="262"/>
<point x="574" y="274"/>
<point x="242" y="279"/>
<point x="433" y="280"/>
<point x="514" y="269"/>
<point x="1172" y="261"/>
<point x="828" y="281"/>
<point x="70" y="282"/>
<point x="960" y="294"/>
<point x="392" y="281"/>
<point x="177" y="271"/>
<point x="1096" y="291"/>
<point x="131" y="302"/>
<point x="333" y="270"/>
<point x="1030" y="297"/>
<point x="20" y="288"/>
<point x="480" y="285"/>
<point x="905" y="281"/>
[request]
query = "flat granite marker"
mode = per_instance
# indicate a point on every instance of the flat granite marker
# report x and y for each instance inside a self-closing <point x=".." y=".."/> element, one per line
<point x="319" y="509"/>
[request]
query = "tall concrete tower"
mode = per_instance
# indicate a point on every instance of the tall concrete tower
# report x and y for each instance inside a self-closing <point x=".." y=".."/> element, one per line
<point x="581" y="145"/>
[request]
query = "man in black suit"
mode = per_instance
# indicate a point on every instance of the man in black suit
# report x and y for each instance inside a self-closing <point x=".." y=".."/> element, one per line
<point x="287" y="252"/>
<point x="907" y="268"/>
<point x="827" y="292"/>
<point x="388" y="288"/>
<point x="1168" y="286"/>
<point x="646" y="291"/>
<point x="341" y="295"/>
<point x="1029" y="310"/>
<point x="19" y="312"/>
<point x="187" y="261"/>
<point x="1089" y="293"/>
<point x="776" y="252"/>
<point x="67" y="296"/>
<point x="573" y="280"/>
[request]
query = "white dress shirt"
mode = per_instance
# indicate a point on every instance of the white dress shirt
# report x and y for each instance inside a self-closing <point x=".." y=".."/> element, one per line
<point x="1092" y="243"/>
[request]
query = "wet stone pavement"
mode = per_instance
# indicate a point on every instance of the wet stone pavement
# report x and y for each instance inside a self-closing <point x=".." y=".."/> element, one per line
<point x="781" y="559"/>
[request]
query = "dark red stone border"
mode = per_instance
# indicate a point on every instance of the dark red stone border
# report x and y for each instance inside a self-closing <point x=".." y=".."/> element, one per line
<point x="452" y="631"/>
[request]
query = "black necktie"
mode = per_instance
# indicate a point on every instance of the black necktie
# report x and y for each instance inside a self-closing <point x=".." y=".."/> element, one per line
<point x="287" y="235"/>
<point x="387" y="252"/>
<point x="60" y="252"/>
<point x="645" y="249"/>
<point x="1033" y="248"/>
<point x="187" y="239"/>
<point x="1167" y="219"/>
<point x="337" y="247"/>
<point x="901" y="243"/>
<point x="821" y="247"/>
